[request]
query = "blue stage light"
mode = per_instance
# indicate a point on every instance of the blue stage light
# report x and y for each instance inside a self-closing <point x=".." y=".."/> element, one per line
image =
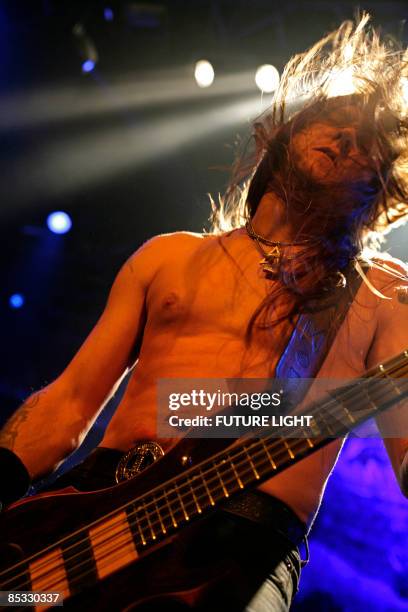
<point x="88" y="65"/>
<point x="59" y="222"/>
<point x="108" y="13"/>
<point x="16" y="300"/>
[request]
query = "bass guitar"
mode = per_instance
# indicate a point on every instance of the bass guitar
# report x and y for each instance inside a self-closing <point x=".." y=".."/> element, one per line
<point x="91" y="546"/>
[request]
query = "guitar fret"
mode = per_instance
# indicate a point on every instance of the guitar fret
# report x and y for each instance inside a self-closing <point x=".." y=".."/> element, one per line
<point x="239" y="481"/>
<point x="139" y="527"/>
<point x="226" y="494"/>
<point x="347" y="413"/>
<point x="367" y="397"/>
<point x="173" y="520"/>
<point x="252" y="464"/>
<point x="308" y="440"/>
<point x="199" y="510"/>
<point x="186" y="516"/>
<point x="290" y="452"/>
<point x="272" y="462"/>
<point x="395" y="388"/>
<point x="148" y="521"/>
<point x="162" y="526"/>
<point x="210" y="497"/>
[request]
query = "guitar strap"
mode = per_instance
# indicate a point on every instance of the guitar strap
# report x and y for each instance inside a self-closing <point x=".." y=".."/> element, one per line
<point x="299" y="363"/>
<point x="313" y="337"/>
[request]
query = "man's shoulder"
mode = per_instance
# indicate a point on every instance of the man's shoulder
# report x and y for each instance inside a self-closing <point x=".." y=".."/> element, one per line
<point x="174" y="239"/>
<point x="162" y="247"/>
<point x="181" y="236"/>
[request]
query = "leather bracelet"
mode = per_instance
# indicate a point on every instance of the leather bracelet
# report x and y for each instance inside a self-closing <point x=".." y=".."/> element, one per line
<point x="14" y="480"/>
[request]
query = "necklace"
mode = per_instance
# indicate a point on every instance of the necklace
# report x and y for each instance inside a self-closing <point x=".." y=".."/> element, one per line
<point x="271" y="260"/>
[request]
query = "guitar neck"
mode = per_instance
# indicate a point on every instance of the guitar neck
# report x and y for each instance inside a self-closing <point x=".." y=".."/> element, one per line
<point x="249" y="463"/>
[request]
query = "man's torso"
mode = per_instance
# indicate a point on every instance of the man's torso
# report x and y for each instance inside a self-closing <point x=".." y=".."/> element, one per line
<point x="198" y="307"/>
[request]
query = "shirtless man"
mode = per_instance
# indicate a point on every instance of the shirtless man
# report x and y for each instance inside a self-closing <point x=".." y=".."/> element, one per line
<point x="181" y="305"/>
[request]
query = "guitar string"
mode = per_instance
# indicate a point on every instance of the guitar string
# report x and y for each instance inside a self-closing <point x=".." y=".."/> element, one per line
<point x="156" y="523"/>
<point x="108" y="552"/>
<point x="168" y="516"/>
<point x="378" y="374"/>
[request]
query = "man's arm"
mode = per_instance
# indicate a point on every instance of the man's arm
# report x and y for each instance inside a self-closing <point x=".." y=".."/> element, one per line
<point x="48" y="426"/>
<point x="392" y="338"/>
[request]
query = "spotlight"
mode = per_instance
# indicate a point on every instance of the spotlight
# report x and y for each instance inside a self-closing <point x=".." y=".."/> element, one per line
<point x="59" y="222"/>
<point x="88" y="65"/>
<point x="204" y="73"/>
<point x="108" y="13"/>
<point x="16" y="300"/>
<point x="267" y="78"/>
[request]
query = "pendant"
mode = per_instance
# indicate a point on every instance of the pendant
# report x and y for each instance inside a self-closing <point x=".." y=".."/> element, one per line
<point x="271" y="263"/>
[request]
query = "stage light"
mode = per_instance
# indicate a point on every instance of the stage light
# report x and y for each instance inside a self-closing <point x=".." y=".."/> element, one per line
<point x="108" y="13"/>
<point x="204" y="73"/>
<point x="88" y="65"/>
<point x="267" y="78"/>
<point x="59" y="222"/>
<point x="16" y="300"/>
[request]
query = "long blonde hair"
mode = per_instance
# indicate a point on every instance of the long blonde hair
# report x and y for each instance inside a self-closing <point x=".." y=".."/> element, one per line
<point x="354" y="62"/>
<point x="350" y="66"/>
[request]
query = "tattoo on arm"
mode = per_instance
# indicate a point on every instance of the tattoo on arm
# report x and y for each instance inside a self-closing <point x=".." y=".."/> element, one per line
<point x="10" y="431"/>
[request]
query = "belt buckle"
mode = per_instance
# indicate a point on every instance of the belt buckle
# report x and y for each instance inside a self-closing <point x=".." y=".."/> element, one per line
<point x="137" y="459"/>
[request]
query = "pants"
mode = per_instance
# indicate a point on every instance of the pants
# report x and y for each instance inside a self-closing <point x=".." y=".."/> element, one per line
<point x="279" y="588"/>
<point x="254" y="536"/>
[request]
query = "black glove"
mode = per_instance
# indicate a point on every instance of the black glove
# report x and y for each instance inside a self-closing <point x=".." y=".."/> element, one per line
<point x="14" y="477"/>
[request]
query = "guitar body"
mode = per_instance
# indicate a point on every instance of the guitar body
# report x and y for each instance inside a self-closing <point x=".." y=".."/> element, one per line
<point x="177" y="573"/>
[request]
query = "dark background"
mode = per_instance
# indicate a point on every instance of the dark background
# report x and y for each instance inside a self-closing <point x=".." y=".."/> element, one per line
<point x="131" y="150"/>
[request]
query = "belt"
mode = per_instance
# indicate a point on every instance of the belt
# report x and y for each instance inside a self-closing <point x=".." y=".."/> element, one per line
<point x="99" y="470"/>
<point x="270" y="512"/>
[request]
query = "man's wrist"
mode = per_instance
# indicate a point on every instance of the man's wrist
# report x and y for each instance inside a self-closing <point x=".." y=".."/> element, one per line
<point x="14" y="477"/>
